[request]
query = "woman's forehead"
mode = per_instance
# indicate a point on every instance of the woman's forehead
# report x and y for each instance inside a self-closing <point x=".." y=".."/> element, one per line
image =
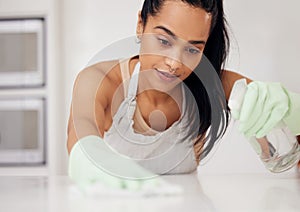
<point x="185" y="21"/>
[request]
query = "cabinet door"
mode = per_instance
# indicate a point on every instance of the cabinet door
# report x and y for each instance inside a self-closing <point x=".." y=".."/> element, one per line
<point x="22" y="137"/>
<point x="22" y="52"/>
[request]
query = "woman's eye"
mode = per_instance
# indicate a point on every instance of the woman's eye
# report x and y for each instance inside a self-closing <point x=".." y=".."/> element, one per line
<point x="164" y="42"/>
<point x="193" y="50"/>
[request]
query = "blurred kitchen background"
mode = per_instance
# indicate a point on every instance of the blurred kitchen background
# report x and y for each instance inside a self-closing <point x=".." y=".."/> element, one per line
<point x="45" y="43"/>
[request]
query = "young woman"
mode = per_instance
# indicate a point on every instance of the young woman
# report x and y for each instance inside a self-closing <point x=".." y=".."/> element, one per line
<point x="157" y="95"/>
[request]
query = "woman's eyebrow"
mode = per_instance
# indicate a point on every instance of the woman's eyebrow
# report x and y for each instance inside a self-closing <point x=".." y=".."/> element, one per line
<point x="169" y="32"/>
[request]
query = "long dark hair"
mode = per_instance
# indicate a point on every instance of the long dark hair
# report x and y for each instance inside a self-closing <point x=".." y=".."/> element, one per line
<point x="212" y="106"/>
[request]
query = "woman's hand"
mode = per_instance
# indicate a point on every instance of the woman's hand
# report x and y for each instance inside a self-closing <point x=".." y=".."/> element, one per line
<point x="260" y="106"/>
<point x="92" y="161"/>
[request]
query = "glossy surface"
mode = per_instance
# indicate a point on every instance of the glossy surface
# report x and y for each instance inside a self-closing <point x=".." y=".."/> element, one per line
<point x="230" y="192"/>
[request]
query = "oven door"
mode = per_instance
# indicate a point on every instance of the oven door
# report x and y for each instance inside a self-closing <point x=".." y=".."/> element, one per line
<point x="22" y="53"/>
<point x="22" y="131"/>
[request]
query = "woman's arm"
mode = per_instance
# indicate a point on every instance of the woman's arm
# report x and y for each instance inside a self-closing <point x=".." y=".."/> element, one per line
<point x="228" y="78"/>
<point x="72" y="134"/>
<point x="87" y="114"/>
<point x="72" y="137"/>
<point x="198" y="148"/>
<point x="92" y="94"/>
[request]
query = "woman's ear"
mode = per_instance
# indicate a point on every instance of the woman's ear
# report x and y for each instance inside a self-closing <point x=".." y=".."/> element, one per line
<point x="139" y="27"/>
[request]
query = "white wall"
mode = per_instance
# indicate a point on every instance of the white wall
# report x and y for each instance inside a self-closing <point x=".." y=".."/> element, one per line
<point x="267" y="34"/>
<point x="91" y="25"/>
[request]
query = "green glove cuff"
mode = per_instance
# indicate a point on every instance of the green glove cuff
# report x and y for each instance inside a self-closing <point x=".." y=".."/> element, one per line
<point x="292" y="117"/>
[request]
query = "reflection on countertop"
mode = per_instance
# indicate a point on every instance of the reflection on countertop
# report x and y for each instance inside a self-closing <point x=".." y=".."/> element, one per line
<point x="218" y="192"/>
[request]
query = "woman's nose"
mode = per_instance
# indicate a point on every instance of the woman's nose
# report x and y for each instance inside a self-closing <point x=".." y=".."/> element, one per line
<point x="173" y="63"/>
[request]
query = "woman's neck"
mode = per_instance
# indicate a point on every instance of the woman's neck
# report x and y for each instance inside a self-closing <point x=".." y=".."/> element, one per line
<point x="155" y="97"/>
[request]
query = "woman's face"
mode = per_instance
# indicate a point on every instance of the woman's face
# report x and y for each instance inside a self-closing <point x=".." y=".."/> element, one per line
<point x="172" y="42"/>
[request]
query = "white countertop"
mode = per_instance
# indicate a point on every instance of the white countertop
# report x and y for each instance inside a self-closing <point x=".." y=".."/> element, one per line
<point x="219" y="192"/>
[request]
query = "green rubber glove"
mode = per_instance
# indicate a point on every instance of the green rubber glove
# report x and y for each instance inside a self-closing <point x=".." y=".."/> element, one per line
<point x="92" y="161"/>
<point x="261" y="106"/>
<point x="292" y="117"/>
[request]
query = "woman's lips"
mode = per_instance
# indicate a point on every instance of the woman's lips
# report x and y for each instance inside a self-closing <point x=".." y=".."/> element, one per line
<point x="166" y="76"/>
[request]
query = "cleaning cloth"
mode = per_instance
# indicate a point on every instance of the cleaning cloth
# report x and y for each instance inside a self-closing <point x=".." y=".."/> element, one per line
<point x="97" y="169"/>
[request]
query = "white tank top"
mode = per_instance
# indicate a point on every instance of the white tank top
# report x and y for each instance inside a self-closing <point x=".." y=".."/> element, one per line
<point x="167" y="152"/>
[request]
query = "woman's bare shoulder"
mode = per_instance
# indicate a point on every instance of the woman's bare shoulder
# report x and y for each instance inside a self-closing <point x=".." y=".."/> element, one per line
<point x="100" y="79"/>
<point x="228" y="79"/>
<point x="105" y="69"/>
